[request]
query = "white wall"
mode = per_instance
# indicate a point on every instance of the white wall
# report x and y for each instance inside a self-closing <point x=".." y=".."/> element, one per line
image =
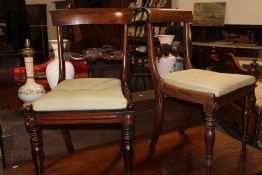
<point x="237" y="11"/>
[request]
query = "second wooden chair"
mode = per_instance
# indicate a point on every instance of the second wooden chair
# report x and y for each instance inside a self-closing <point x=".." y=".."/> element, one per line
<point x="210" y="89"/>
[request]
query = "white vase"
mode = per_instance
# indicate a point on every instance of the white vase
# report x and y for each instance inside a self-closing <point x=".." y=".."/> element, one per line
<point x="166" y="64"/>
<point x="52" y="69"/>
<point x="30" y="91"/>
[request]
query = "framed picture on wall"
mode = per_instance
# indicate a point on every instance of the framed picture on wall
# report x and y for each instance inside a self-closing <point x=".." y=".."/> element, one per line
<point x="209" y="13"/>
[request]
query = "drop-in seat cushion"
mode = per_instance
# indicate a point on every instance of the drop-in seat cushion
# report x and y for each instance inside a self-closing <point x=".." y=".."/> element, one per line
<point x="83" y="94"/>
<point x="208" y="81"/>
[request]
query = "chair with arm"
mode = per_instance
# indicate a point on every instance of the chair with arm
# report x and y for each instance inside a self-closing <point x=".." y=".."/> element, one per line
<point x="210" y="89"/>
<point x="86" y="100"/>
<point x="229" y="63"/>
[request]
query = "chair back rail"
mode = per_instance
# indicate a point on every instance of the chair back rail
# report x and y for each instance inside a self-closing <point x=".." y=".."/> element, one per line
<point x="91" y="16"/>
<point x="158" y="15"/>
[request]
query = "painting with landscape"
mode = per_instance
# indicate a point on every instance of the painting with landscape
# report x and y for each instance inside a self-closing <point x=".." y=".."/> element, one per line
<point x="209" y="14"/>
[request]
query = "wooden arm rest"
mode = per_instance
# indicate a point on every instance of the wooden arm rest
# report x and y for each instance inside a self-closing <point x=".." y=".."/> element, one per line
<point x="229" y="63"/>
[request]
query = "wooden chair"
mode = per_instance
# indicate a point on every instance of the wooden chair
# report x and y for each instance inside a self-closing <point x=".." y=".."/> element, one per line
<point x="208" y="88"/>
<point x="230" y="115"/>
<point x="86" y="100"/>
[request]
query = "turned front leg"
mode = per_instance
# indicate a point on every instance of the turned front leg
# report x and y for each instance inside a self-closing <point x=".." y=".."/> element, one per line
<point x="245" y="117"/>
<point x="36" y="142"/>
<point x="37" y="148"/>
<point x="127" y="142"/>
<point x="210" y="123"/>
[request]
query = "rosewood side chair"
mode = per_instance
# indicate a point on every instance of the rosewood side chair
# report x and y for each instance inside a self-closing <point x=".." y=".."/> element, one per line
<point x="86" y="100"/>
<point x="210" y="89"/>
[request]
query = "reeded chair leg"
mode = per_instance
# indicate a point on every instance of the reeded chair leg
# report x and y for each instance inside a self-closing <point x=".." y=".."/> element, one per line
<point x="245" y="119"/>
<point x="210" y="123"/>
<point x="36" y="141"/>
<point x="37" y="149"/>
<point x="127" y="142"/>
<point x="159" y="118"/>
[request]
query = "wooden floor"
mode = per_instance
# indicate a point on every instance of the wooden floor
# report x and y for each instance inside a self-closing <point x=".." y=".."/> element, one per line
<point x="176" y="154"/>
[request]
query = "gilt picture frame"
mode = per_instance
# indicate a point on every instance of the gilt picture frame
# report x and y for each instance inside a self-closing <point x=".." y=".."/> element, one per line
<point x="209" y="14"/>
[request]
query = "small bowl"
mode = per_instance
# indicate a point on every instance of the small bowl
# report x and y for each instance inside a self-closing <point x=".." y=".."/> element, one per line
<point x="166" y="39"/>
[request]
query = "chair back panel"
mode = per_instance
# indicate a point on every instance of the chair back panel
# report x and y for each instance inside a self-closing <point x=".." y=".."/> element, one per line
<point x="84" y="16"/>
<point x="161" y="15"/>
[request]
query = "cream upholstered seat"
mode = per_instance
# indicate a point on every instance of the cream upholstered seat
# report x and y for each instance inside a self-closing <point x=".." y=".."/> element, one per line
<point x="208" y="81"/>
<point x="83" y="94"/>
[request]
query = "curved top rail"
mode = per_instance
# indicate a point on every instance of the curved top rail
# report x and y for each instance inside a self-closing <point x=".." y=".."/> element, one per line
<point x="91" y="16"/>
<point x="158" y="15"/>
